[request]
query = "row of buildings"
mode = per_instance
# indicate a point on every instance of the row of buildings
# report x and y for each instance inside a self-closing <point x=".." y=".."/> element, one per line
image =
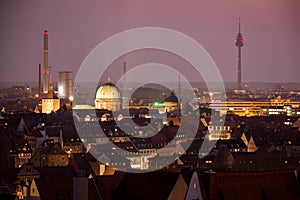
<point x="38" y="148"/>
<point x="41" y="141"/>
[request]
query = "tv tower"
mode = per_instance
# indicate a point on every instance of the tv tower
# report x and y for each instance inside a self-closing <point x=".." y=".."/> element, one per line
<point x="46" y="71"/>
<point x="239" y="42"/>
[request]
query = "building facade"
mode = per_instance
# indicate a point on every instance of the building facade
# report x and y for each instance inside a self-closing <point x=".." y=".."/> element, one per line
<point x="50" y="102"/>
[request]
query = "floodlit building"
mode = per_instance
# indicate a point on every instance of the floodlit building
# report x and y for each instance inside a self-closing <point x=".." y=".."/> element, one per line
<point x="50" y="102"/>
<point x="256" y="108"/>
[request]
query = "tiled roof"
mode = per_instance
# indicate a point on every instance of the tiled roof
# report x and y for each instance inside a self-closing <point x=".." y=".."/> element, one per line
<point x="69" y="131"/>
<point x="56" y="172"/>
<point x="53" y="131"/>
<point x="35" y="132"/>
<point x="190" y="159"/>
<point x="55" y="188"/>
<point x="153" y="185"/>
<point x="108" y="185"/>
<point x="256" y="185"/>
<point x="297" y="124"/>
<point x="79" y="162"/>
<point x="52" y="148"/>
<point x="232" y="143"/>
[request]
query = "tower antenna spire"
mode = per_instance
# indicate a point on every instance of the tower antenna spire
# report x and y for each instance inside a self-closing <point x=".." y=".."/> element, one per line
<point x="239" y="24"/>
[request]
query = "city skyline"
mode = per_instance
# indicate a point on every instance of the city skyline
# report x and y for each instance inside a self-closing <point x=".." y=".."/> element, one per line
<point x="199" y="99"/>
<point x="75" y="29"/>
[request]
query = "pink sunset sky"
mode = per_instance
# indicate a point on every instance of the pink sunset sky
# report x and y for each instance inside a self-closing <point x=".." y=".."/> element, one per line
<point x="271" y="31"/>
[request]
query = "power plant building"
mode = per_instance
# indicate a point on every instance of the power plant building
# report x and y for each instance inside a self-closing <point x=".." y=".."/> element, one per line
<point x="65" y="84"/>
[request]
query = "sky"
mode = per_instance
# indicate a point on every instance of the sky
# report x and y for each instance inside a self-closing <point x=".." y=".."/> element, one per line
<point x="270" y="29"/>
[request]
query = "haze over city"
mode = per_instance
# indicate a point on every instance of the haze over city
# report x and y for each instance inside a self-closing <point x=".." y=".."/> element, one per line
<point x="270" y="29"/>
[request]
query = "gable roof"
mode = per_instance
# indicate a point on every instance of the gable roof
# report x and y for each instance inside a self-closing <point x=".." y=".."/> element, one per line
<point x="256" y="185"/>
<point x="35" y="133"/>
<point x="153" y="185"/>
<point x="53" y="131"/>
<point x="78" y="161"/>
<point x="232" y="143"/>
<point x="52" y="148"/>
<point x="55" y="188"/>
<point x="28" y="169"/>
<point x="108" y="184"/>
<point x="194" y="190"/>
<point x="297" y="124"/>
<point x="56" y="172"/>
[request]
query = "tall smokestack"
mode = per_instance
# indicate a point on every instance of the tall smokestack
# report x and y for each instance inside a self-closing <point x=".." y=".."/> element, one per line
<point x="46" y="72"/>
<point x="50" y="79"/>
<point x="40" y="81"/>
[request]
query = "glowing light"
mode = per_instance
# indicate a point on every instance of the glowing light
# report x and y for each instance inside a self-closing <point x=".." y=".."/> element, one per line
<point x="159" y="104"/>
<point x="46" y="71"/>
<point x="71" y="98"/>
<point x="45" y="32"/>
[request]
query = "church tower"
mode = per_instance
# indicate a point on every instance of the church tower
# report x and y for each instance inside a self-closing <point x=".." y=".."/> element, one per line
<point x="50" y="102"/>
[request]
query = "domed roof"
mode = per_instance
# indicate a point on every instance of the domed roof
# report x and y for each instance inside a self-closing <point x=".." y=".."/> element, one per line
<point x="108" y="91"/>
